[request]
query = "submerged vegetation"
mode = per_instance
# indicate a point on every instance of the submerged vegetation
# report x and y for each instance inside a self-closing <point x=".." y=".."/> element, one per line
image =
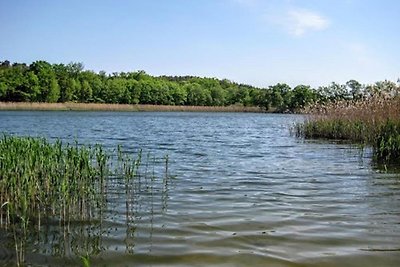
<point x="370" y="119"/>
<point x="46" y="184"/>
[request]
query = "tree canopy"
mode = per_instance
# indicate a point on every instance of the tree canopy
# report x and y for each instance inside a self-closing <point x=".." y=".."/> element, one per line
<point x="44" y="82"/>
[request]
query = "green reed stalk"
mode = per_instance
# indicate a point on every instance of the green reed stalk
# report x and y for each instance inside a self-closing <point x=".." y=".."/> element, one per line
<point x="42" y="181"/>
<point x="373" y="122"/>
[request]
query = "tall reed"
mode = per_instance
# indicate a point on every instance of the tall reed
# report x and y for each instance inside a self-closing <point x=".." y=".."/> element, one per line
<point x="123" y="107"/>
<point x="43" y="182"/>
<point x="374" y="121"/>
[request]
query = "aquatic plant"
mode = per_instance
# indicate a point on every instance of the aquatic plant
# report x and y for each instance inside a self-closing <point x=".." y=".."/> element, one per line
<point x="373" y="121"/>
<point x="44" y="183"/>
<point x="387" y="144"/>
<point x="123" y="107"/>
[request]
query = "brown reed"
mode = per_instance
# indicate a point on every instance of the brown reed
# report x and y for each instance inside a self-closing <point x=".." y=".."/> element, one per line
<point x="371" y="121"/>
<point x="121" y="107"/>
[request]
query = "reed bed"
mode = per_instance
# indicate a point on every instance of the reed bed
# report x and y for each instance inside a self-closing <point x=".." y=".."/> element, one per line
<point x="373" y="121"/>
<point x="45" y="183"/>
<point x="121" y="107"/>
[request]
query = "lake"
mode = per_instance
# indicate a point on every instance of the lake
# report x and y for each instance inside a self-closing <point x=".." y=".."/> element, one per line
<point x="242" y="192"/>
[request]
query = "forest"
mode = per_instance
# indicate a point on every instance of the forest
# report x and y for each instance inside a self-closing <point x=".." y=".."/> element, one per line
<point x="42" y="81"/>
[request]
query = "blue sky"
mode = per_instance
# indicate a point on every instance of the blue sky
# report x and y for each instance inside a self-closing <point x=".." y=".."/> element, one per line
<point x="259" y="42"/>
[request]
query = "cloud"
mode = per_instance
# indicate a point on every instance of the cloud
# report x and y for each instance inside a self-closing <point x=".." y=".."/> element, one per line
<point x="300" y="21"/>
<point x="297" y="21"/>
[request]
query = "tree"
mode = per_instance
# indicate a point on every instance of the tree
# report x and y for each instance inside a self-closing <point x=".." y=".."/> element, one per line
<point x="49" y="88"/>
<point x="244" y="96"/>
<point x="281" y="95"/>
<point x="178" y="94"/>
<point x="13" y="82"/>
<point x="146" y="92"/>
<point x="74" y="69"/>
<point x="3" y="90"/>
<point x="196" y="96"/>
<point x="217" y="95"/>
<point x="302" y="95"/>
<point x="66" y="82"/>
<point x="231" y="96"/>
<point x="86" y="92"/>
<point x="32" y="88"/>
<point x="92" y="86"/>
<point x="385" y="88"/>
<point x="5" y="64"/>
<point x="262" y="99"/>
<point x="355" y="89"/>
<point x="116" y="91"/>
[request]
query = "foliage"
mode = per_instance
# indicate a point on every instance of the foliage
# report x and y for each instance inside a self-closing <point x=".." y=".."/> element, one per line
<point x="45" y="82"/>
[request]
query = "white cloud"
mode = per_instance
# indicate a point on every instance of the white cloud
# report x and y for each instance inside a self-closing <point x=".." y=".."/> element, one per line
<point x="301" y="21"/>
<point x="296" y="21"/>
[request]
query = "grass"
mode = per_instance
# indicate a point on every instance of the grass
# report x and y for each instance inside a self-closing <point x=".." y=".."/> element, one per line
<point x="42" y="182"/>
<point x="121" y="107"/>
<point x="374" y="122"/>
<point x="45" y="183"/>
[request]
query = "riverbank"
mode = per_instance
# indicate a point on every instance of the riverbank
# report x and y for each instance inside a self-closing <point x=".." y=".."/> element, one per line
<point x="121" y="107"/>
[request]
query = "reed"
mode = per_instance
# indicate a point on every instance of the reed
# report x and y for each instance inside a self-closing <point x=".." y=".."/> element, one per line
<point x="373" y="121"/>
<point x="122" y="107"/>
<point x="43" y="182"/>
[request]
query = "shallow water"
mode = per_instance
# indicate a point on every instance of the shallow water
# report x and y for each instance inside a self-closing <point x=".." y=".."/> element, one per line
<point x="244" y="192"/>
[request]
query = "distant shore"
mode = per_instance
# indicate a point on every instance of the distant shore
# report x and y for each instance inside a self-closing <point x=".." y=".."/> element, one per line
<point x="120" y="107"/>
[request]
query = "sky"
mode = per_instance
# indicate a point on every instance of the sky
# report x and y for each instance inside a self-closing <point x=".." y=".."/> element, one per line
<point x="257" y="42"/>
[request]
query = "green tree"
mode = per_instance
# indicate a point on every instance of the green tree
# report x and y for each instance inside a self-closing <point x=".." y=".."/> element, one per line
<point x="146" y="92"/>
<point x="302" y="95"/>
<point x="262" y="99"/>
<point x="355" y="89"/>
<point x="116" y="91"/>
<point x="32" y="87"/>
<point x="178" y="94"/>
<point x="134" y="91"/>
<point x="49" y="88"/>
<point x="217" y="95"/>
<point x="64" y="82"/>
<point x="86" y="92"/>
<point x="196" y="96"/>
<point x="281" y="96"/>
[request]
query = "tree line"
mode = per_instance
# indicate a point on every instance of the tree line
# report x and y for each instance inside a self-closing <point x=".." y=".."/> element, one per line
<point x="44" y="82"/>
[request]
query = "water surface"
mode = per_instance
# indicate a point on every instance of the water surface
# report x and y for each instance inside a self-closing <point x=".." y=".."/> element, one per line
<point x="244" y="192"/>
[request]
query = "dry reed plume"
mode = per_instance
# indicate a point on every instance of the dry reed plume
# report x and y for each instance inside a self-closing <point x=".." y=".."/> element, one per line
<point x="121" y="107"/>
<point x="372" y="121"/>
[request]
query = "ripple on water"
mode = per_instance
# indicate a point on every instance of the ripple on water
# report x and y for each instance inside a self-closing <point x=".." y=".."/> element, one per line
<point x="246" y="193"/>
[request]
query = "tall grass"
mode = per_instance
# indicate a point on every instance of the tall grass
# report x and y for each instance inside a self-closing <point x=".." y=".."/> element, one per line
<point x="122" y="107"/>
<point x="373" y="121"/>
<point x="43" y="182"/>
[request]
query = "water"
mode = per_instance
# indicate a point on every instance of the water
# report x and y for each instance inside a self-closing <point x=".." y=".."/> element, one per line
<point x="243" y="193"/>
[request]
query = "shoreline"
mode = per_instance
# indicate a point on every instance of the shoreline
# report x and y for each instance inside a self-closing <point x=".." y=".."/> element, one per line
<point x="70" y="106"/>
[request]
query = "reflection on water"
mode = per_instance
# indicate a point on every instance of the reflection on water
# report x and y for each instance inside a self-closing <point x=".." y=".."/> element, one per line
<point x="244" y="193"/>
<point x="141" y="196"/>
